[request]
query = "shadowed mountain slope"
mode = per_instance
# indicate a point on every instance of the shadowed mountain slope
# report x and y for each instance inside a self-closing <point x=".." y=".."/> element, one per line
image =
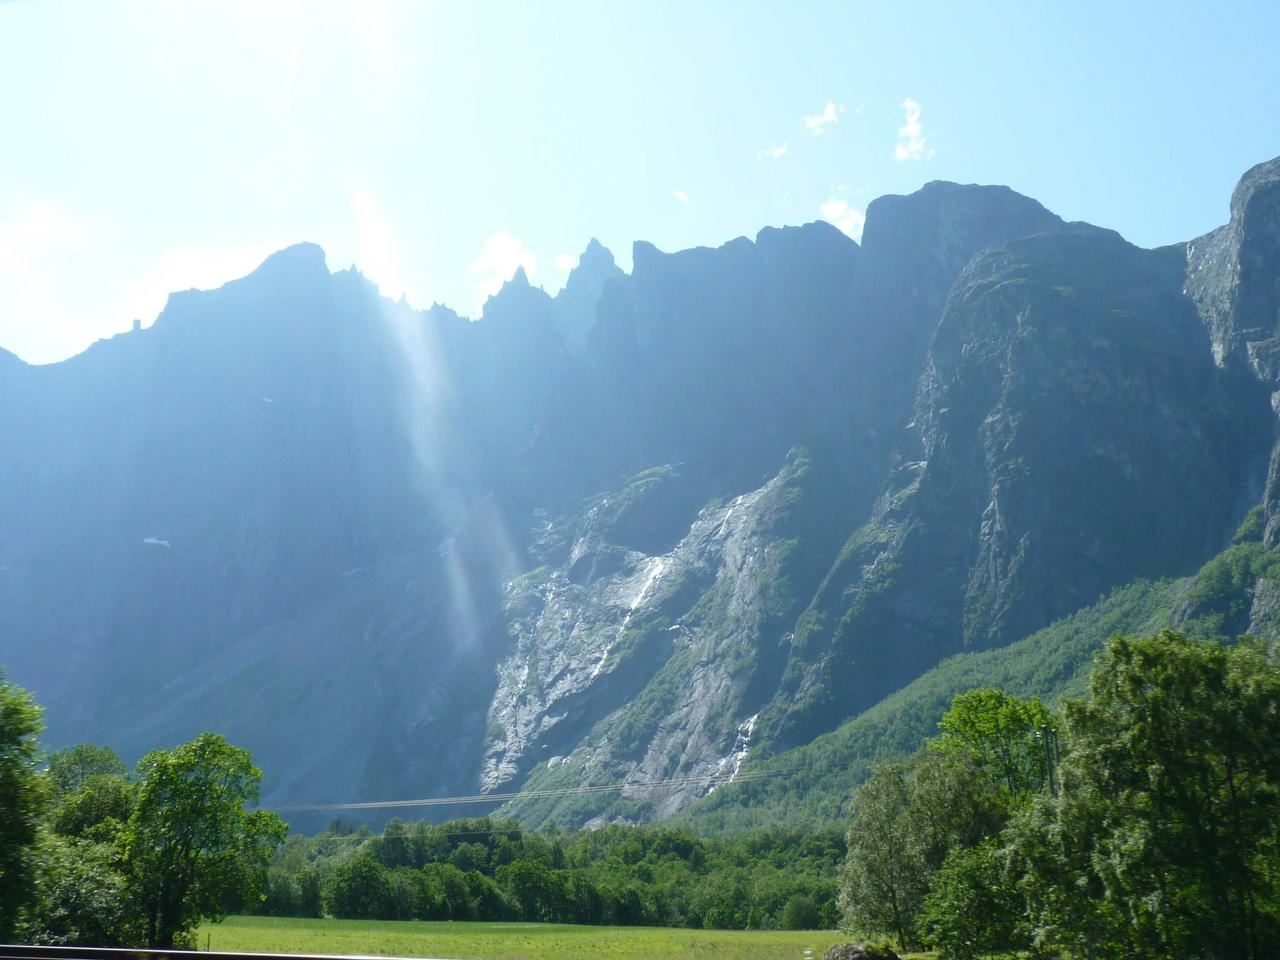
<point x="662" y="525"/>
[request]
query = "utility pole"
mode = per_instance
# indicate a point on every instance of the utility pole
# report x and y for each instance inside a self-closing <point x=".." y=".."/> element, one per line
<point x="1048" y="737"/>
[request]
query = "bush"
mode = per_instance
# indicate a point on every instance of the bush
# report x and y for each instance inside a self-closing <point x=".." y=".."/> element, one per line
<point x="360" y="890"/>
<point x="82" y="900"/>
<point x="971" y="909"/>
<point x="800" y="913"/>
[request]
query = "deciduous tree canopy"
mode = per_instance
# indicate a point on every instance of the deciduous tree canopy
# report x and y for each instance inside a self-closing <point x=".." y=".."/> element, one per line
<point x="190" y="841"/>
<point x="22" y="800"/>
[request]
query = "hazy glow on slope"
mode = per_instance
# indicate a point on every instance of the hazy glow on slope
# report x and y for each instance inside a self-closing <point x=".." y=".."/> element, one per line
<point x="476" y="541"/>
<point x="381" y="253"/>
<point x="502" y="255"/>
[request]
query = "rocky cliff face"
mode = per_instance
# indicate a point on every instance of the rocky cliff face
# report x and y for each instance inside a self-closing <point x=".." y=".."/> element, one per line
<point x="1072" y="432"/>
<point x="638" y="532"/>
<point x="1231" y="273"/>
<point x="575" y="306"/>
<point x="677" y="652"/>
<point x="225" y="520"/>
<point x="1232" y="277"/>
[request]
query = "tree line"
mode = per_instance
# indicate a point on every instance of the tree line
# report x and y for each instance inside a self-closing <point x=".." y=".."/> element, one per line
<point x="492" y="869"/>
<point x="1142" y="821"/>
<point x="93" y="854"/>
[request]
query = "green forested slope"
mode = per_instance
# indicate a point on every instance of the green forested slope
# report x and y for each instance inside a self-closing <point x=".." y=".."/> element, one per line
<point x="813" y="783"/>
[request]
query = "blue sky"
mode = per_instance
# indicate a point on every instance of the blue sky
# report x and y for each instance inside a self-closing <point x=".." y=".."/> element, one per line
<point x="149" y="147"/>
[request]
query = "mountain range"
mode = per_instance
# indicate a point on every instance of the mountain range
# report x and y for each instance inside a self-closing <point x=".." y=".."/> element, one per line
<point x="755" y="507"/>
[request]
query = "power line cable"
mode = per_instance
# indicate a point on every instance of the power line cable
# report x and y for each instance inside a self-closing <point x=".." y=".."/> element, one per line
<point x="579" y="791"/>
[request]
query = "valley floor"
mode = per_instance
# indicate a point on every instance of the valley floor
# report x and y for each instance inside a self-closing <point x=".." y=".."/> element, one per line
<point x="508" y="941"/>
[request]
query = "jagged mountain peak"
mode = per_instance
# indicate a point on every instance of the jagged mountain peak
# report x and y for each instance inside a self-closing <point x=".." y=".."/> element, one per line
<point x="1264" y="176"/>
<point x="296" y="488"/>
<point x="646" y="258"/>
<point x="642" y="251"/>
<point x="576" y="304"/>
<point x="1231" y="276"/>
<point x="594" y="268"/>
<point x="951" y="221"/>
<point x="298" y="260"/>
<point x="443" y="313"/>
<point x="814" y="229"/>
<point x="294" y="276"/>
<point x="596" y="256"/>
<point x="515" y="294"/>
<point x="992" y="195"/>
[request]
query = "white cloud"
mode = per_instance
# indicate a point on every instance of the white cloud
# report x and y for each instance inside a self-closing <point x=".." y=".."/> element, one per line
<point x="192" y="267"/>
<point x="911" y="138"/>
<point x="680" y="195"/>
<point x="774" y="153"/>
<point x="37" y="228"/>
<point x="500" y="257"/>
<point x="565" y="262"/>
<point x="817" y="125"/>
<point x="39" y="243"/>
<point x="848" y="220"/>
<point x="379" y="250"/>
<point x="61" y="289"/>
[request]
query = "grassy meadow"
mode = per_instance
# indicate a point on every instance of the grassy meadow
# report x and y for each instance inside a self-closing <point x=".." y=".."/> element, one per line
<point x="508" y="941"/>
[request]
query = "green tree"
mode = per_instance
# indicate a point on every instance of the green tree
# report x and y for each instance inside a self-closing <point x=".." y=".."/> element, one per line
<point x="410" y="896"/>
<point x="906" y="818"/>
<point x="800" y="913"/>
<point x="490" y="900"/>
<point x="190" y="843"/>
<point x="722" y="902"/>
<point x="97" y="809"/>
<point x="69" y="768"/>
<point x="1172" y="786"/>
<point x="310" y="902"/>
<point x="882" y="883"/>
<point x="83" y="896"/>
<point x="470" y="856"/>
<point x="973" y="909"/>
<point x="360" y="889"/>
<point x="22" y="801"/>
<point x="451" y="900"/>
<point x="1009" y="739"/>
<point x="537" y="889"/>
<point x="1048" y="850"/>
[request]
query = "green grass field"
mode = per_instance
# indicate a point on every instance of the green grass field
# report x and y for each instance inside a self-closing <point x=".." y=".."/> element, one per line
<point x="507" y="941"/>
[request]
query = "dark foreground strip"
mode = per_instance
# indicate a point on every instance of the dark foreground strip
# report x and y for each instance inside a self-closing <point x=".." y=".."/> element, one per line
<point x="20" y="952"/>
